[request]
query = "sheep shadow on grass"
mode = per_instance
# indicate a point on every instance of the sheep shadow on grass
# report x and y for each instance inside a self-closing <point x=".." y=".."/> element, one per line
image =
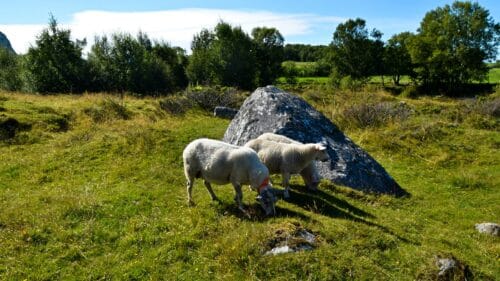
<point x="323" y="203"/>
<point x="255" y="212"/>
<point x="317" y="202"/>
<point x="320" y="202"/>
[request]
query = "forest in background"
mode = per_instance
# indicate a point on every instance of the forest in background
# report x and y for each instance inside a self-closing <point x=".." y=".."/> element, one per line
<point x="447" y="54"/>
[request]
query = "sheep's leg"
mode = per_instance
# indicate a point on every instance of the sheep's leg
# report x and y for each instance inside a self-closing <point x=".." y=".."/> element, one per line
<point x="190" y="182"/>
<point x="239" y="199"/>
<point x="212" y="194"/>
<point x="286" y="179"/>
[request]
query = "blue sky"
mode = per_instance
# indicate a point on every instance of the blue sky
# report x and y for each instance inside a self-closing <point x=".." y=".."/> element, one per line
<point x="309" y="22"/>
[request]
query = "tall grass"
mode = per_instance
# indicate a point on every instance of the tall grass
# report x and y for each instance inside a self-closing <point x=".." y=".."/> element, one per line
<point x="105" y="198"/>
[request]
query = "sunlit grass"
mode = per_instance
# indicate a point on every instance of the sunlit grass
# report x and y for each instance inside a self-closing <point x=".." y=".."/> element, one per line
<point x="494" y="75"/>
<point x="105" y="198"/>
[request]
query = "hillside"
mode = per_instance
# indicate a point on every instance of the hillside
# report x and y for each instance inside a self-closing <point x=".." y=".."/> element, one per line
<point x="91" y="187"/>
<point x="5" y="43"/>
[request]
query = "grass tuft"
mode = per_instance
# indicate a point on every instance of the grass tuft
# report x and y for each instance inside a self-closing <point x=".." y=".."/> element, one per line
<point x="107" y="110"/>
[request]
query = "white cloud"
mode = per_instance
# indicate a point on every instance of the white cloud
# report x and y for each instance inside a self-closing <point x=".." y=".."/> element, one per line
<point x="174" y="26"/>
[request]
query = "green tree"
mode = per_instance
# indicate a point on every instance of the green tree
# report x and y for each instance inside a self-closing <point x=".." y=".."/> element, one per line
<point x="304" y="52"/>
<point x="10" y="68"/>
<point x="453" y="43"/>
<point x="201" y="63"/>
<point x="269" y="54"/>
<point x="55" y="63"/>
<point x="224" y="56"/>
<point x="397" y="59"/>
<point x="234" y="57"/>
<point x="128" y="64"/>
<point x="177" y="59"/>
<point x="355" y="50"/>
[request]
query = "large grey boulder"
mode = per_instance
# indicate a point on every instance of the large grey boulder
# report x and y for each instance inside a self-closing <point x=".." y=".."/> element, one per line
<point x="270" y="109"/>
<point x="5" y="43"/>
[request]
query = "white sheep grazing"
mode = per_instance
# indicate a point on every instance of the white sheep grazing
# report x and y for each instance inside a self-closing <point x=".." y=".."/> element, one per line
<point x="221" y="163"/>
<point x="287" y="158"/>
<point x="309" y="174"/>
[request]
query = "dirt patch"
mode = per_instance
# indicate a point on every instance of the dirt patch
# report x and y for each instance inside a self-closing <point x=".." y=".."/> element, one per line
<point x="291" y="237"/>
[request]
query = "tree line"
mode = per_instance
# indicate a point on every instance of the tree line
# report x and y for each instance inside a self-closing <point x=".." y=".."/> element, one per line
<point x="450" y="48"/>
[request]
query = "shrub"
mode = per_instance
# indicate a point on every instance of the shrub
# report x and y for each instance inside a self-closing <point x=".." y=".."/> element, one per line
<point x="374" y="115"/>
<point x="410" y="92"/>
<point x="488" y="107"/>
<point x="208" y="98"/>
<point x="480" y="113"/>
<point x="349" y="83"/>
<point x="176" y="105"/>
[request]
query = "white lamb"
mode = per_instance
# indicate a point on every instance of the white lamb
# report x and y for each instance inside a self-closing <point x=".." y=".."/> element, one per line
<point x="287" y="158"/>
<point x="309" y="174"/>
<point x="221" y="163"/>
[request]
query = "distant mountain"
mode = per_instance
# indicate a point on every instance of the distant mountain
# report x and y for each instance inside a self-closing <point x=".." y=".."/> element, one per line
<point x="5" y="43"/>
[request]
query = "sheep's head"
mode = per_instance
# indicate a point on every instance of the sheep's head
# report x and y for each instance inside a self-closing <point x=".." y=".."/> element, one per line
<point x="321" y="152"/>
<point x="266" y="198"/>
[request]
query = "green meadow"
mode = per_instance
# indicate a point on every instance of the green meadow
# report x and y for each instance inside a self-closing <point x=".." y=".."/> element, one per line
<point x="493" y="77"/>
<point x="92" y="188"/>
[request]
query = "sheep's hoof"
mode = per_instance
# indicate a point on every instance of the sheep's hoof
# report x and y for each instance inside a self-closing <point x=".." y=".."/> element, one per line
<point x="191" y="203"/>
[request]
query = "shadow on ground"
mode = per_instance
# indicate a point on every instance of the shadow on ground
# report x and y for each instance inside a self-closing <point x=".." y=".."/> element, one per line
<point x="317" y="202"/>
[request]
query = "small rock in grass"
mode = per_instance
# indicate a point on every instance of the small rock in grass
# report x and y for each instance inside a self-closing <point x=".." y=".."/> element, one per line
<point x="489" y="228"/>
<point x="225" y="112"/>
<point x="291" y="238"/>
<point x="452" y="269"/>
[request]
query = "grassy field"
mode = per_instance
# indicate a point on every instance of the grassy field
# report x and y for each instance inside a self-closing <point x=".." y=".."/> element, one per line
<point x="92" y="188"/>
<point x="493" y="77"/>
